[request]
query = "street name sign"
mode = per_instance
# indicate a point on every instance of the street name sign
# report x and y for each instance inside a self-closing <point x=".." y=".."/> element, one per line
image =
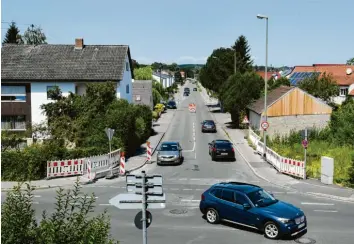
<point x="151" y="189"/>
<point x="152" y="179"/>
<point x="134" y="201"/>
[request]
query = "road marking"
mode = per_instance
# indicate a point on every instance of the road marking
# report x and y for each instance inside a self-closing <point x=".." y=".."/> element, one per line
<point x="187" y="189"/>
<point x="32" y="195"/>
<point x="195" y="179"/>
<point x="84" y="197"/>
<point x="182" y="179"/>
<point x="326" y="211"/>
<point x="199" y="189"/>
<point x="189" y="200"/>
<point x="174" y="189"/>
<point x="105" y="204"/>
<point x="277" y="192"/>
<point x="192" y="149"/>
<point x="291" y="192"/>
<point x="317" y="203"/>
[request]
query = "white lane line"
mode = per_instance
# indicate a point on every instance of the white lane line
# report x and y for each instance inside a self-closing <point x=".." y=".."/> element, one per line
<point x="105" y="204"/>
<point x="195" y="179"/>
<point x="174" y="189"/>
<point x="187" y="189"/>
<point x="277" y="192"/>
<point x="317" y="203"/>
<point x="83" y="197"/>
<point x="32" y="195"/>
<point x="325" y="211"/>
<point x="183" y="179"/>
<point x="189" y="200"/>
<point x="199" y="189"/>
<point x="192" y="149"/>
<point x="291" y="192"/>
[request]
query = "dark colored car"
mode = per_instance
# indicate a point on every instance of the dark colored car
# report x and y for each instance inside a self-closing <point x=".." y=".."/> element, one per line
<point x="186" y="94"/>
<point x="169" y="153"/>
<point x="208" y="126"/>
<point x="251" y="206"/>
<point x="186" y="89"/>
<point x="194" y="89"/>
<point x="221" y="149"/>
<point x="171" y="105"/>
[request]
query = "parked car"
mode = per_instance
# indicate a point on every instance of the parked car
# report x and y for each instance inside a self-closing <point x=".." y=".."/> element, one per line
<point x="208" y="126"/>
<point x="186" y="89"/>
<point x="169" y="153"/>
<point x="195" y="89"/>
<point x="251" y="206"/>
<point x="186" y="94"/>
<point x="171" y="105"/>
<point x="221" y="149"/>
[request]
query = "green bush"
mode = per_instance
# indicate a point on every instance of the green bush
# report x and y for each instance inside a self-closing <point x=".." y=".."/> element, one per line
<point x="155" y="115"/>
<point x="19" y="224"/>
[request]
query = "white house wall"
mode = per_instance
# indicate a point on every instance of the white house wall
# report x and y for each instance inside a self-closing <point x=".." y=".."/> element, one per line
<point x="126" y="81"/>
<point x="39" y="97"/>
<point x="255" y="120"/>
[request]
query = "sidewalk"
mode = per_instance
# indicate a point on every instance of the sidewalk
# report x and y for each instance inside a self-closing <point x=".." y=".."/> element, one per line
<point x="268" y="173"/>
<point x="132" y="163"/>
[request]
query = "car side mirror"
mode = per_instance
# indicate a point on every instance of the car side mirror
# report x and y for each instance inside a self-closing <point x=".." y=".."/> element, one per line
<point x="246" y="206"/>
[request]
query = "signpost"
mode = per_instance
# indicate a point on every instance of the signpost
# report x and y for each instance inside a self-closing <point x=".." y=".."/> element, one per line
<point x="265" y="125"/>
<point x="110" y="133"/>
<point x="305" y="144"/>
<point x="245" y="120"/>
<point x="144" y="191"/>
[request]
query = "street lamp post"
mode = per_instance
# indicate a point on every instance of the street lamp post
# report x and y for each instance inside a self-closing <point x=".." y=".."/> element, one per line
<point x="265" y="84"/>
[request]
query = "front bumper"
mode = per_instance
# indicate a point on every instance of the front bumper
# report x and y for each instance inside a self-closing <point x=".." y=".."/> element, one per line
<point x="209" y="129"/>
<point x="168" y="161"/>
<point x="293" y="229"/>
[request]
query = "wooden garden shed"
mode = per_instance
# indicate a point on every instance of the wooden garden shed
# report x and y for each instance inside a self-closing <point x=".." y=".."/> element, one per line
<point x="289" y="108"/>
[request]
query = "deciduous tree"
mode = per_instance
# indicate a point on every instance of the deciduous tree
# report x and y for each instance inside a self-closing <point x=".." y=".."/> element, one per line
<point x="350" y="61"/>
<point x="322" y="86"/>
<point x="34" y="36"/>
<point x="143" y="73"/>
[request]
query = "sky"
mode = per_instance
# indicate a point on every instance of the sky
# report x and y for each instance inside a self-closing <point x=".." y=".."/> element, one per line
<point x="301" y="32"/>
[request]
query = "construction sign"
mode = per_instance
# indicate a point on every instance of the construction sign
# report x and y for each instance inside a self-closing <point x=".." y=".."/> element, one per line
<point x="245" y="120"/>
<point x="192" y="107"/>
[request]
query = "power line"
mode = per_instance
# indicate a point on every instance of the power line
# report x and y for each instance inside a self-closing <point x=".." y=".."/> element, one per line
<point x="5" y="22"/>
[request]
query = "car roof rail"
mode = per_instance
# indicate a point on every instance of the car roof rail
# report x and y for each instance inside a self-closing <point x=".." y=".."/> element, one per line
<point x="238" y="183"/>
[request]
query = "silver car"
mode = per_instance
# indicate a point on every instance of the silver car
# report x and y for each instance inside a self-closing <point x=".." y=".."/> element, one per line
<point x="169" y="153"/>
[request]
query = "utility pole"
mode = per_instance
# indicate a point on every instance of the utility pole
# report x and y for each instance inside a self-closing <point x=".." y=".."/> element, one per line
<point x="144" y="207"/>
<point x="305" y="143"/>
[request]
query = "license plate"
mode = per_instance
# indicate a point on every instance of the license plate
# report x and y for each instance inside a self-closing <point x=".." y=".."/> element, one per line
<point x="301" y="225"/>
<point x="224" y="153"/>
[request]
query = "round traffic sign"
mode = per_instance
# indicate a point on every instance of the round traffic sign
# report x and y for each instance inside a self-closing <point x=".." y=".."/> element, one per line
<point x="305" y="143"/>
<point x="265" y="125"/>
<point x="138" y="219"/>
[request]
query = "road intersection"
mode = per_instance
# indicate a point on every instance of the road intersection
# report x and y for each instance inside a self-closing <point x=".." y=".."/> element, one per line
<point x="181" y="222"/>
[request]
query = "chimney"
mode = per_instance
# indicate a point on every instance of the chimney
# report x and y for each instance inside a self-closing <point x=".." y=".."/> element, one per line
<point x="79" y="43"/>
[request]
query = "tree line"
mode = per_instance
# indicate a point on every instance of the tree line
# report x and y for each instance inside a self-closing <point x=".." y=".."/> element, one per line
<point x="34" y="35"/>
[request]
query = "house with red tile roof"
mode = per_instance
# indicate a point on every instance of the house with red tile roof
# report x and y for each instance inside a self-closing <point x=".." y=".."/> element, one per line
<point x="270" y="75"/>
<point x="343" y="74"/>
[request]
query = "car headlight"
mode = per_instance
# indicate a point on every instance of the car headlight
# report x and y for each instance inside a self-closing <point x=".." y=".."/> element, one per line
<point x="284" y="220"/>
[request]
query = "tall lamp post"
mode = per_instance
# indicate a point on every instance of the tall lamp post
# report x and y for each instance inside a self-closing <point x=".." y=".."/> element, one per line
<point x="259" y="16"/>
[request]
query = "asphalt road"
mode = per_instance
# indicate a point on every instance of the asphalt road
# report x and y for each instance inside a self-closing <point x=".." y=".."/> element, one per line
<point x="181" y="221"/>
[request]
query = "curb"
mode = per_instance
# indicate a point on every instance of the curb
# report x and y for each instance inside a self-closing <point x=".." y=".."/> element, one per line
<point x="319" y="195"/>
<point x="47" y="186"/>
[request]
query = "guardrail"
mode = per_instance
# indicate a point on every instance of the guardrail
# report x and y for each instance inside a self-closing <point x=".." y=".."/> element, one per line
<point x="100" y="165"/>
<point x="282" y="164"/>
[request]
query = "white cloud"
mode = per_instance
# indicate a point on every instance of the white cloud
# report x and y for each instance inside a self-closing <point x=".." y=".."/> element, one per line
<point x="191" y="59"/>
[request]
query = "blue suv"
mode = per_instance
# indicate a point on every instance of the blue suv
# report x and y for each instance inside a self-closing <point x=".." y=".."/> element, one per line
<point x="251" y="206"/>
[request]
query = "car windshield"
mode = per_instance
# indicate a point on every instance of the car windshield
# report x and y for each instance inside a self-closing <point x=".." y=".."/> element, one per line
<point x="171" y="103"/>
<point x="208" y="122"/>
<point x="223" y="145"/>
<point x="261" y="198"/>
<point x="169" y="147"/>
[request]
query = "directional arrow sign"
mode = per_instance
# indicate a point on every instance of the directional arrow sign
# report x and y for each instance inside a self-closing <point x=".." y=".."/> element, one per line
<point x="109" y="133"/>
<point x="151" y="179"/>
<point x="133" y="201"/>
<point x="151" y="190"/>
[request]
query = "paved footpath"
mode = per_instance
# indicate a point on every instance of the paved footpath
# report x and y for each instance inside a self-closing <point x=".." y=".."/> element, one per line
<point x="264" y="170"/>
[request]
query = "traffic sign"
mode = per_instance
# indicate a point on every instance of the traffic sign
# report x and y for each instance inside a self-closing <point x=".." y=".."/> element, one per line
<point x="245" y="120"/>
<point x="134" y="201"/>
<point x="151" y="189"/>
<point x="109" y="133"/>
<point x="305" y="143"/>
<point x="138" y="220"/>
<point x="265" y="125"/>
<point x="152" y="179"/>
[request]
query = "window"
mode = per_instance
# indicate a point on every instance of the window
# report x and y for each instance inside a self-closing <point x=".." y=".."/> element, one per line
<point x="241" y="199"/>
<point x="13" y="122"/>
<point x="216" y="193"/>
<point x="261" y="198"/>
<point x="343" y="92"/>
<point x="137" y="98"/>
<point x="13" y="93"/>
<point x="126" y="66"/>
<point x="228" y="196"/>
<point x="127" y="89"/>
<point x="52" y="88"/>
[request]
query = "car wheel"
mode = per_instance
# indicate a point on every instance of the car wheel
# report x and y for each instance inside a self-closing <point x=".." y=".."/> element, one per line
<point x="212" y="216"/>
<point x="271" y="230"/>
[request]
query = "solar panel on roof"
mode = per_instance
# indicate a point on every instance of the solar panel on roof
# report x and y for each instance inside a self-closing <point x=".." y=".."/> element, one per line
<point x="294" y="75"/>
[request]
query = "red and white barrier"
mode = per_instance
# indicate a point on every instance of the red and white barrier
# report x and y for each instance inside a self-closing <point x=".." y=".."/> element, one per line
<point x="122" y="164"/>
<point x="90" y="174"/>
<point x="69" y="167"/>
<point x="192" y="108"/>
<point x="282" y="164"/>
<point x="148" y="151"/>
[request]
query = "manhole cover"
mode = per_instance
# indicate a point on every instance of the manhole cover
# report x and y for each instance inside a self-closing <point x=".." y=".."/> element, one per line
<point x="305" y="240"/>
<point x="178" y="211"/>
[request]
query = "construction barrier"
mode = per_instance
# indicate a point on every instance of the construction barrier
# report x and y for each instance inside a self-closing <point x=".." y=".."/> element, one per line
<point x="62" y="168"/>
<point x="192" y="107"/>
<point x="97" y="165"/>
<point x="122" y="164"/>
<point x="148" y="151"/>
<point x="282" y="164"/>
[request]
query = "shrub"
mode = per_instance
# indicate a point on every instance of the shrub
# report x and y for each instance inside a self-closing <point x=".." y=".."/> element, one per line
<point x="155" y="115"/>
<point x="19" y="225"/>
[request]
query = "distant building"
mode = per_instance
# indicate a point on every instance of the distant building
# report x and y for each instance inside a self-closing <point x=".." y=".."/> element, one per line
<point x="289" y="108"/>
<point x="165" y="79"/>
<point x="142" y="93"/>
<point x="274" y="75"/>
<point x="342" y="73"/>
<point x="28" y="72"/>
